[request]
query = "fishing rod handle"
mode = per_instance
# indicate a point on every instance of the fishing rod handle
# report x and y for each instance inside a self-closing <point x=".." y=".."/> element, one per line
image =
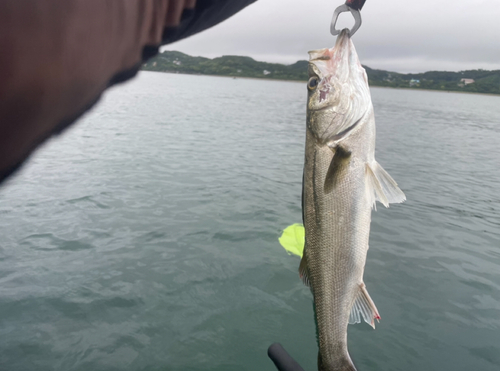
<point x="282" y="360"/>
<point x="355" y="4"/>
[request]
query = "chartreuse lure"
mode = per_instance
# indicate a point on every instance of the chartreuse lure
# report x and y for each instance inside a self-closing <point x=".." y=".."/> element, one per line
<point x="293" y="239"/>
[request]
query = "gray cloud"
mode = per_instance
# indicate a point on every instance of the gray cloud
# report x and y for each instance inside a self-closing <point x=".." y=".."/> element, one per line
<point x="397" y="35"/>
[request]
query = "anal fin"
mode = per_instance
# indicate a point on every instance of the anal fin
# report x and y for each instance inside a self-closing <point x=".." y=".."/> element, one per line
<point x="364" y="307"/>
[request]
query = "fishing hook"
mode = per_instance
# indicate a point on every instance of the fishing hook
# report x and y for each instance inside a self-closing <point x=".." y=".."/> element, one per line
<point x="345" y="8"/>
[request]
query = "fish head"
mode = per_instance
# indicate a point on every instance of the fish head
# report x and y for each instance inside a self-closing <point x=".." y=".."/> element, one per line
<point x="338" y="92"/>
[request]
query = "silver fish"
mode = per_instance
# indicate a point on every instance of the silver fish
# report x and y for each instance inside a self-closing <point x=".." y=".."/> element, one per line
<point x="341" y="183"/>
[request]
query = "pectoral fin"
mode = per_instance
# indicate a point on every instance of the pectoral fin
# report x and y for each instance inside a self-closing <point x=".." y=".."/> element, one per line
<point x="381" y="186"/>
<point x="340" y="161"/>
<point x="364" y="307"/>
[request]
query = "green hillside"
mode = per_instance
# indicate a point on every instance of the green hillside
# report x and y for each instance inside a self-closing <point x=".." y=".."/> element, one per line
<point x="237" y="66"/>
<point x="228" y="65"/>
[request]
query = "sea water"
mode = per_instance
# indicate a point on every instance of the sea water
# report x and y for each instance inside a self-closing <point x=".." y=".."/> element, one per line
<point x="145" y="237"/>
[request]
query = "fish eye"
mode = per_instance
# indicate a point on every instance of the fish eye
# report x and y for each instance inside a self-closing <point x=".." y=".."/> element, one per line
<point x="312" y="83"/>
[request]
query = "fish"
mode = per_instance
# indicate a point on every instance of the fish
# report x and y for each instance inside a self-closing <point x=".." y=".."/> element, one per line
<point x="341" y="182"/>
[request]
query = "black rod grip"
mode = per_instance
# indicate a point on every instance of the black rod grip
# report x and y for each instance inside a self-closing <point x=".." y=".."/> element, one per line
<point x="355" y="4"/>
<point x="282" y="360"/>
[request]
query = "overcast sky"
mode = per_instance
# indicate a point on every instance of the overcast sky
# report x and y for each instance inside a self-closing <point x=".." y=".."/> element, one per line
<point x="396" y="35"/>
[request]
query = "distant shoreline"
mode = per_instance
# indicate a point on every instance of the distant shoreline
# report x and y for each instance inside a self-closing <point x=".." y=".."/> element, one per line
<point x="436" y="90"/>
<point x="470" y="81"/>
<point x="229" y="77"/>
<point x="304" y="82"/>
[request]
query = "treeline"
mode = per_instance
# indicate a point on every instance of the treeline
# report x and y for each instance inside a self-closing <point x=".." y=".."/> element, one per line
<point x="476" y="81"/>
<point x="473" y="81"/>
<point x="229" y="65"/>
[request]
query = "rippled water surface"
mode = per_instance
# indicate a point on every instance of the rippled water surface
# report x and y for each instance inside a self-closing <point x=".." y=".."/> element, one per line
<point x="146" y="237"/>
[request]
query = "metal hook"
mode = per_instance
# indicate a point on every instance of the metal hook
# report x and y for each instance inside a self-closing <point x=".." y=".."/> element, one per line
<point x="345" y="8"/>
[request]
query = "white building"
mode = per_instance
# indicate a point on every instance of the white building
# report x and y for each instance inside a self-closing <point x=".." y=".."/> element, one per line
<point x="467" y="81"/>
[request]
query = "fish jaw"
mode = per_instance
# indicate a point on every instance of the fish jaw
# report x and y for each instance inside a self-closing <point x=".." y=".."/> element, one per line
<point x="341" y="96"/>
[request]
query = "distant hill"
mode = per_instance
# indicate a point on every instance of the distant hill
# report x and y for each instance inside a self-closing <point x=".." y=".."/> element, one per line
<point x="228" y="65"/>
<point x="474" y="81"/>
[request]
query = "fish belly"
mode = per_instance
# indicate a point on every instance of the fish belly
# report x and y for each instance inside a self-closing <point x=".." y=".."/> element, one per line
<point x="337" y="228"/>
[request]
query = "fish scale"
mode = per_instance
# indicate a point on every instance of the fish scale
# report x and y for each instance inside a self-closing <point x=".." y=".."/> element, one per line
<point x="341" y="182"/>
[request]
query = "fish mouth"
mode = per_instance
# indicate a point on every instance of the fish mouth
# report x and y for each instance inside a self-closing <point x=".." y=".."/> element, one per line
<point x="343" y="40"/>
<point x="345" y="33"/>
<point x="327" y="54"/>
<point x="320" y="109"/>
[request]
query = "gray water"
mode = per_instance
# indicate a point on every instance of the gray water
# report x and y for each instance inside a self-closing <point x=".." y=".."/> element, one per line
<point x="146" y="237"/>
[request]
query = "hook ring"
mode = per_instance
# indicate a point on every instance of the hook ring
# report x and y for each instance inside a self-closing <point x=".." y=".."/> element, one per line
<point x="341" y="9"/>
